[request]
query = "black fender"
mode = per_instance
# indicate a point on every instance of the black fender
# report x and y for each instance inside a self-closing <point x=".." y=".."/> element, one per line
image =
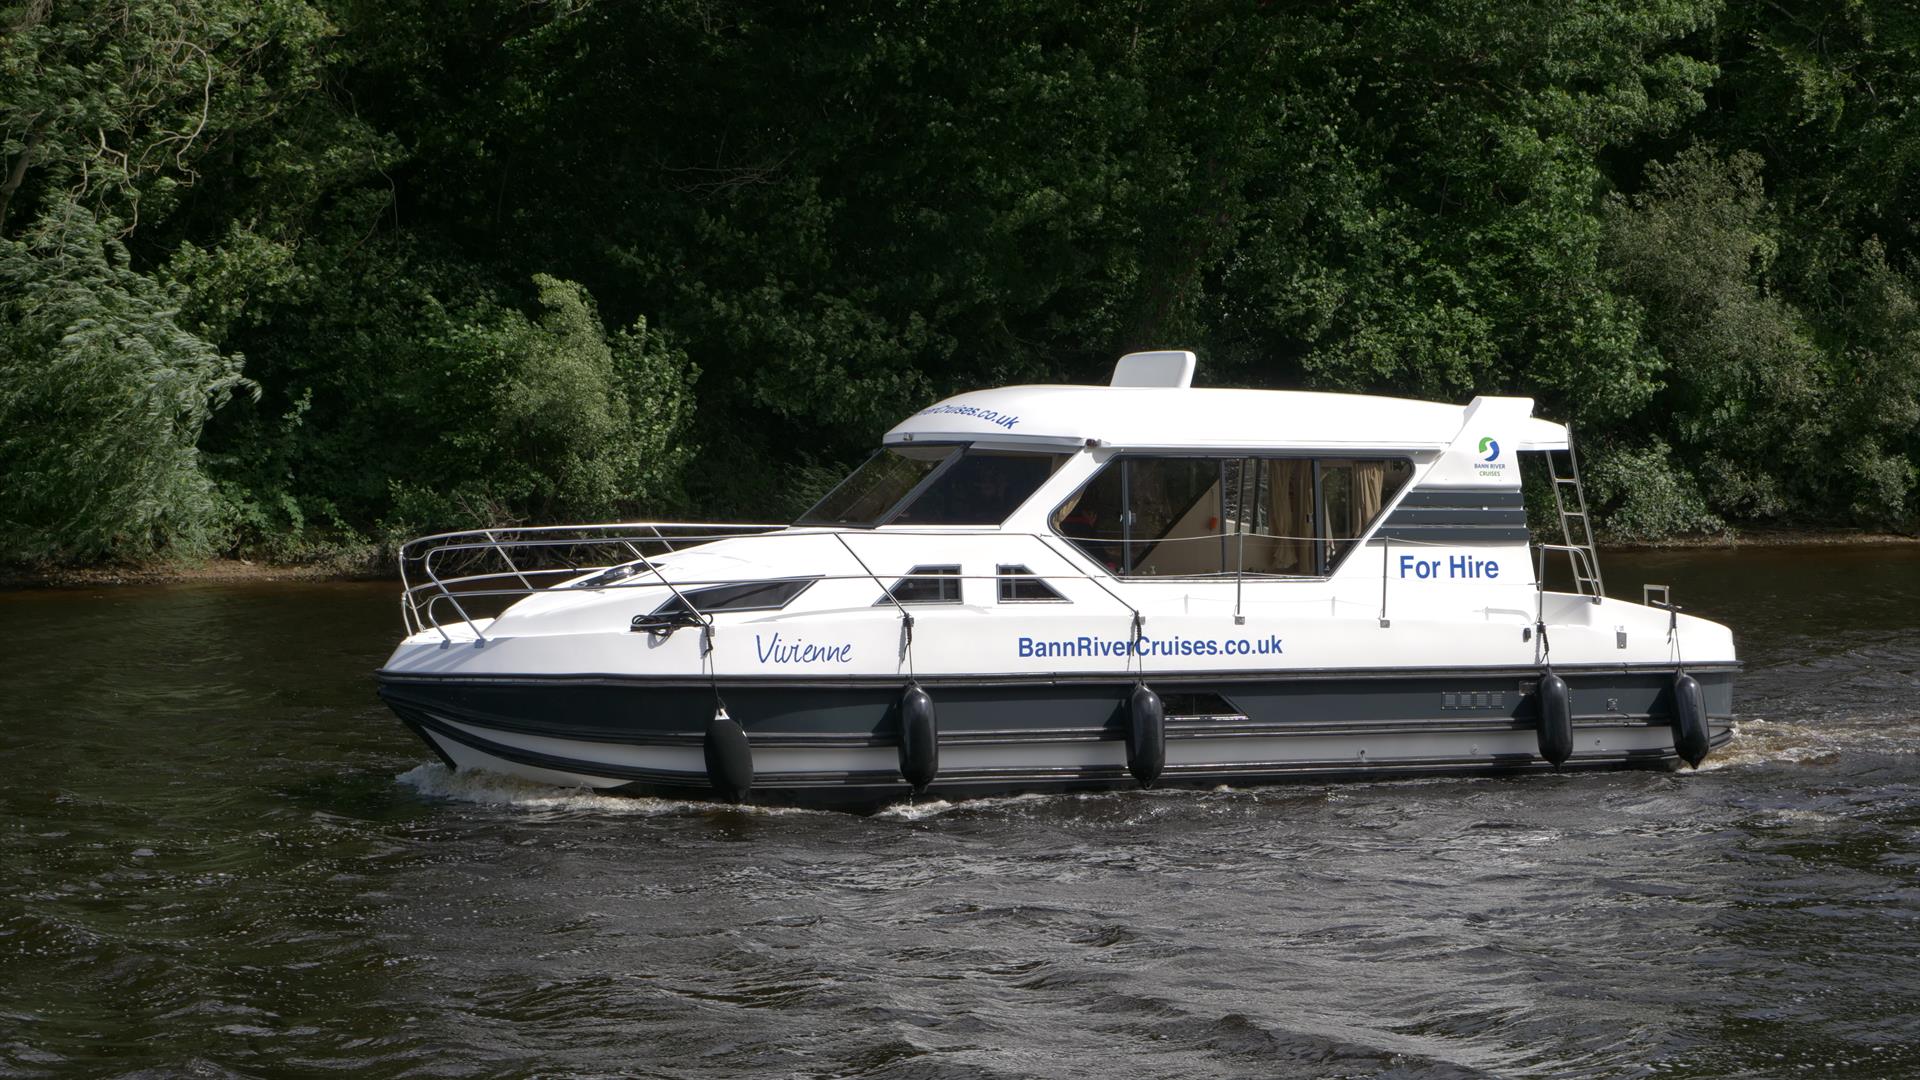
<point x="919" y="738"/>
<point x="729" y="757"/>
<point x="1146" y="735"/>
<point x="1690" y="736"/>
<point x="1556" y="718"/>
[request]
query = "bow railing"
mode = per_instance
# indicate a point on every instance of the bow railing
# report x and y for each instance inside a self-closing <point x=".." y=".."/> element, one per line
<point x="470" y="572"/>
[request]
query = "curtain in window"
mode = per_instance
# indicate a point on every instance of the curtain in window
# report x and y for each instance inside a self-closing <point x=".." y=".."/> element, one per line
<point x="1369" y="494"/>
<point x="1290" y="517"/>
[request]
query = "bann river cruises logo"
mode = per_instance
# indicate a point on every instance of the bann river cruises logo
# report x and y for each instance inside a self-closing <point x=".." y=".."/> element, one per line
<point x="1489" y="465"/>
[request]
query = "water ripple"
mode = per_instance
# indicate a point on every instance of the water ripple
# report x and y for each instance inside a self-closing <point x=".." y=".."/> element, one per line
<point x="228" y="861"/>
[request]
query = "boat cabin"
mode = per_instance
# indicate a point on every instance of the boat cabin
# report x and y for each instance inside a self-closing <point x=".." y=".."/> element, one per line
<point x="1150" y="477"/>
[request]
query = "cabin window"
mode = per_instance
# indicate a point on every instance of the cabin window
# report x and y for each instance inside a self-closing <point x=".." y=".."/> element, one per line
<point x="1354" y="491"/>
<point x="934" y="485"/>
<point x="979" y="487"/>
<point x="744" y="596"/>
<point x="925" y="585"/>
<point x="1208" y="516"/>
<point x="1149" y="516"/>
<point x="1018" y="585"/>
<point x="1270" y="518"/>
<point x="871" y="491"/>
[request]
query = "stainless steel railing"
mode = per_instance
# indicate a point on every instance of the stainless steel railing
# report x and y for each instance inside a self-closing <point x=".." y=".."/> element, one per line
<point x="462" y="576"/>
<point x="458" y="569"/>
<point x="453" y="577"/>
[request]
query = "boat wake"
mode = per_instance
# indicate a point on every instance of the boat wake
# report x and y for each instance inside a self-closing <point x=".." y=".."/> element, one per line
<point x="434" y="780"/>
<point x="1778" y="742"/>
<point x="932" y="808"/>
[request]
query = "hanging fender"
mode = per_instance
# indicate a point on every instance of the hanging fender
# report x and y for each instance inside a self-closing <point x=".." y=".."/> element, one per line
<point x="919" y="738"/>
<point x="729" y="758"/>
<point x="1689" y="719"/>
<point x="1146" y="735"/>
<point x="1556" y="718"/>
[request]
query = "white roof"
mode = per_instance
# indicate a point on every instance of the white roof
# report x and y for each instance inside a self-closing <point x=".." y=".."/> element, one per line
<point x="1207" y="418"/>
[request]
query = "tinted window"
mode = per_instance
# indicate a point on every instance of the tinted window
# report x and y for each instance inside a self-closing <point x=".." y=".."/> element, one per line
<point x="1150" y="516"/>
<point x="981" y="487"/>
<point x="925" y="585"/>
<point x="877" y="486"/>
<point x="934" y="485"/>
<point x="1271" y="517"/>
<point x="744" y="596"/>
<point x="1092" y="517"/>
<point x="1017" y="585"/>
<point x="1205" y="516"/>
<point x="1354" y="491"/>
<point x="1176" y="510"/>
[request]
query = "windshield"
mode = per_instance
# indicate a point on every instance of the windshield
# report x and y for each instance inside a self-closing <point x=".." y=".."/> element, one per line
<point x="934" y="485"/>
<point x="877" y="486"/>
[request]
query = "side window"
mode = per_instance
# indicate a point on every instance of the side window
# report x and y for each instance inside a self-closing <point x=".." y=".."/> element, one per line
<point x="1158" y="516"/>
<point x="1271" y="516"/>
<point x="1354" y="492"/>
<point x="925" y="585"/>
<point x="1091" y="518"/>
<point x="1174" y="529"/>
<point x="1019" y="586"/>
<point x="1194" y="517"/>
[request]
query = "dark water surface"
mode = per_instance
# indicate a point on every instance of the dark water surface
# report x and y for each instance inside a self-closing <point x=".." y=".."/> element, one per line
<point x="220" y="856"/>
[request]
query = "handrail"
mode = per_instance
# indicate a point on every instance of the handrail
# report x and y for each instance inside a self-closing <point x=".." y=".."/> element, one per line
<point x="461" y="566"/>
<point x="428" y="557"/>
<point x="457" y="567"/>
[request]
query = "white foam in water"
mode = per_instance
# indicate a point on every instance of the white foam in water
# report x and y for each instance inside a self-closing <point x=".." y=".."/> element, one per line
<point x="1758" y="741"/>
<point x="435" y="780"/>
<point x="920" y="811"/>
<point x="915" y="811"/>
<point x="930" y="808"/>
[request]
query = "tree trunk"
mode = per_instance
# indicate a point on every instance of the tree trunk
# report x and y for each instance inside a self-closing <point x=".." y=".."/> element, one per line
<point x="15" y="175"/>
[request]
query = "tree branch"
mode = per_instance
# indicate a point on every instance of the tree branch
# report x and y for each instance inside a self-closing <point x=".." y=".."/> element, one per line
<point x="15" y="175"/>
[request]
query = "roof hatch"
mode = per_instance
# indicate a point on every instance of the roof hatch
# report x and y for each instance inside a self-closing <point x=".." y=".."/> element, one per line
<point x="1154" y="369"/>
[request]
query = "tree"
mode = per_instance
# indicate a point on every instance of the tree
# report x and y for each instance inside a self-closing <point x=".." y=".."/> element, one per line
<point x="102" y="399"/>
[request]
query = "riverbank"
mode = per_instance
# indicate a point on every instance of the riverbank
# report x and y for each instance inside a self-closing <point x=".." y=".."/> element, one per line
<point x="244" y="570"/>
<point x="1767" y="538"/>
<point x="211" y="570"/>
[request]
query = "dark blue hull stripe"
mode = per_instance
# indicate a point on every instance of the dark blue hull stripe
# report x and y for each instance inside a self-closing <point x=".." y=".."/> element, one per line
<point x="867" y="787"/>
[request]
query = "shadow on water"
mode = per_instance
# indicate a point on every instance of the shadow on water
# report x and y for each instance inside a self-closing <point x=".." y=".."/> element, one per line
<point x="223" y="857"/>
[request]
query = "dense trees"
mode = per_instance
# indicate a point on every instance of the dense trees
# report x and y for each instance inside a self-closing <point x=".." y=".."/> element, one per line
<point x="292" y="277"/>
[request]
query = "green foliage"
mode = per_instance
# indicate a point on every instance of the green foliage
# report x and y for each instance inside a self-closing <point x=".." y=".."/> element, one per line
<point x="1465" y="254"/>
<point x="1646" y="495"/>
<point x="425" y="398"/>
<point x="102" y="399"/>
<point x="115" y="103"/>
<point x="1742" y="386"/>
<point x="1874" y="364"/>
<point x="1685" y="226"/>
<point x="575" y="424"/>
<point x="1774" y="416"/>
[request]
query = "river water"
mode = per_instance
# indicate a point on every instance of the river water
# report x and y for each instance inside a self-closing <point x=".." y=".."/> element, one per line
<point x="220" y="856"/>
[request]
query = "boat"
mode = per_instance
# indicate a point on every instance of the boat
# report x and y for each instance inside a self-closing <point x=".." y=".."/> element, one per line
<point x="1067" y="588"/>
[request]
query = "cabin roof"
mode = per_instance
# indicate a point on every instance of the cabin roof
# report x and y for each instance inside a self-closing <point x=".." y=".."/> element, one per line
<point x="1168" y="418"/>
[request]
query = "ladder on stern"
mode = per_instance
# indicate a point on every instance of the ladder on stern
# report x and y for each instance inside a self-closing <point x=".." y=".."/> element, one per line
<point x="1576" y="527"/>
